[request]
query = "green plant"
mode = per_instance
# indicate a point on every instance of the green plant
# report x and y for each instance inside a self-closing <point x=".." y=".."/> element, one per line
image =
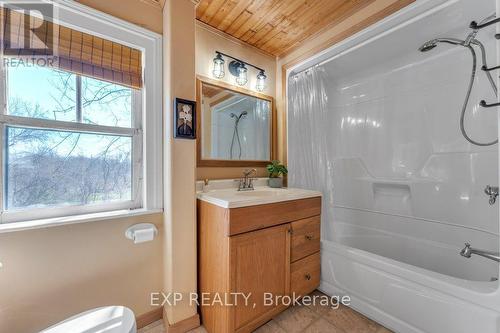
<point x="276" y="169"/>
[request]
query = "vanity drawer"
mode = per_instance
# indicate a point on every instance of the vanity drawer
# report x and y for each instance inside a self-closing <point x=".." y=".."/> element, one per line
<point x="305" y="275"/>
<point x="306" y="236"/>
<point x="252" y="218"/>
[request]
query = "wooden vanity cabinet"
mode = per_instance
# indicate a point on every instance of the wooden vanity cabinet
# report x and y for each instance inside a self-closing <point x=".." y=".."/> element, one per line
<point x="272" y="248"/>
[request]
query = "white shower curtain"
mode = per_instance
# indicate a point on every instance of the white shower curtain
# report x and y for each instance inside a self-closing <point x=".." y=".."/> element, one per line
<point x="310" y="153"/>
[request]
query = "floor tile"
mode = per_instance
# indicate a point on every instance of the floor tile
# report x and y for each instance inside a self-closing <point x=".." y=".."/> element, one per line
<point x="314" y="318"/>
<point x="350" y="320"/>
<point x="156" y="327"/>
<point x="296" y="319"/>
<point x="270" y="327"/>
<point x="321" y="303"/>
<point x="322" y="326"/>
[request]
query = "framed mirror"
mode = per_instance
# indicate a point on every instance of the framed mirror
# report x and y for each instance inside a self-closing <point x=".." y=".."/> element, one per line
<point x="235" y="126"/>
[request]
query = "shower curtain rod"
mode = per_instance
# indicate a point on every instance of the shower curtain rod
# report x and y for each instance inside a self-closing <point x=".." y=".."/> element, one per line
<point x="311" y="67"/>
<point x="325" y="61"/>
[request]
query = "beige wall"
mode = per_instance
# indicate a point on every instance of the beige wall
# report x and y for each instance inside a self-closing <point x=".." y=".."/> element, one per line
<point x="363" y="18"/>
<point x="52" y="273"/>
<point x="208" y="41"/>
<point x="138" y="12"/>
<point x="179" y="159"/>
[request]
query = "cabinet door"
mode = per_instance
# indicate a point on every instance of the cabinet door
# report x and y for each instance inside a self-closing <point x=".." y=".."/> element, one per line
<point x="260" y="263"/>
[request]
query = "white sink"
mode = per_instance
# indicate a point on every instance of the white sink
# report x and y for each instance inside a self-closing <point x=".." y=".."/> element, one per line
<point x="224" y="193"/>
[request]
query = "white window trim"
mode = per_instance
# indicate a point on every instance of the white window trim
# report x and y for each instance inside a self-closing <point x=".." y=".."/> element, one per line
<point x="148" y="183"/>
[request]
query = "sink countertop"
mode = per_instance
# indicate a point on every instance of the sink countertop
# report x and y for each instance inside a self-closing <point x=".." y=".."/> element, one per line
<point x="224" y="193"/>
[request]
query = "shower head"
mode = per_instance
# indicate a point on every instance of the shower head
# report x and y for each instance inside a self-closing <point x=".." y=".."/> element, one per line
<point x="429" y="45"/>
<point x="244" y="113"/>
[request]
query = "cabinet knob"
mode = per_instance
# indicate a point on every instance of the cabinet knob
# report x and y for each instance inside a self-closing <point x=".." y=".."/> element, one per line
<point x="309" y="237"/>
<point x="308" y="276"/>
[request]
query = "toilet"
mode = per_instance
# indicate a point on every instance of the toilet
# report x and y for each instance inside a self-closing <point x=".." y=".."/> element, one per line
<point x="108" y="319"/>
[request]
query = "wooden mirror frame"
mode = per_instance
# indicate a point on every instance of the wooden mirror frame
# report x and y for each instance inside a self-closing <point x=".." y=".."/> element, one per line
<point x="200" y="162"/>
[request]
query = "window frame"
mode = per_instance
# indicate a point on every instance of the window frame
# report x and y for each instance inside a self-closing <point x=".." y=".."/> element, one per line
<point x="146" y="131"/>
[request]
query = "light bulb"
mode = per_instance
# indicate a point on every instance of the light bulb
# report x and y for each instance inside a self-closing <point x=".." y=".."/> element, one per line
<point x="242" y="77"/>
<point x="218" y="71"/>
<point x="261" y="81"/>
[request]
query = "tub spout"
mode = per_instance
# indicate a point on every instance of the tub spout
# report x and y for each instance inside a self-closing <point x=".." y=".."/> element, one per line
<point x="468" y="251"/>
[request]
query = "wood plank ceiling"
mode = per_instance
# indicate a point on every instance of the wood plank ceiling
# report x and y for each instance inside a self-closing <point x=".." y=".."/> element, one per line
<point x="275" y="26"/>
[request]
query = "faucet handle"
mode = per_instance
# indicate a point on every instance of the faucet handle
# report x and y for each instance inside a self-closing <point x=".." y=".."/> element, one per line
<point x="248" y="172"/>
<point x="241" y="182"/>
<point x="466" y="251"/>
<point x="492" y="192"/>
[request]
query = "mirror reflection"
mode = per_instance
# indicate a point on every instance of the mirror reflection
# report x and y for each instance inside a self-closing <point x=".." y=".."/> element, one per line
<point x="235" y="126"/>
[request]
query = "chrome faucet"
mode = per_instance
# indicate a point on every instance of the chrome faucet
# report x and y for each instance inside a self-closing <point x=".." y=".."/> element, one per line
<point x="467" y="251"/>
<point x="246" y="182"/>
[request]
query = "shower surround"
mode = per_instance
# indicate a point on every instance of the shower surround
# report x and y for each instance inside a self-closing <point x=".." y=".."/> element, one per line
<point x="375" y="127"/>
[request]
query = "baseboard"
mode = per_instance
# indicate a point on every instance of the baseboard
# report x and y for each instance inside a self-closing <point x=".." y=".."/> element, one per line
<point x="182" y="326"/>
<point x="149" y="317"/>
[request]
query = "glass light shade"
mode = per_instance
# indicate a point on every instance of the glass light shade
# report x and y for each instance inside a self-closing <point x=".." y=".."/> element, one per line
<point x="261" y="81"/>
<point x="242" y="77"/>
<point x="218" y="71"/>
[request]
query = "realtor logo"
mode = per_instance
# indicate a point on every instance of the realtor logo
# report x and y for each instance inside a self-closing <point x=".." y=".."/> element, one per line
<point x="26" y="32"/>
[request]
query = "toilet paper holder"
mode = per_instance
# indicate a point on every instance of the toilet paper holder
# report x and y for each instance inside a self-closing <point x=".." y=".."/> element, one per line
<point x="147" y="232"/>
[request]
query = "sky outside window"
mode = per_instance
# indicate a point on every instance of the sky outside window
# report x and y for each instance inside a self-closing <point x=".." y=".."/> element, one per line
<point x="44" y="93"/>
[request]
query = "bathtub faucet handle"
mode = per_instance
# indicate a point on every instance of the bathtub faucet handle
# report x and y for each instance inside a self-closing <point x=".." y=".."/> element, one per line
<point x="466" y="252"/>
<point x="492" y="191"/>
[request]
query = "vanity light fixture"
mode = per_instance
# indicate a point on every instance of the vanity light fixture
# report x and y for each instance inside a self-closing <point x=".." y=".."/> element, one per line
<point x="238" y="69"/>
<point x="242" y="77"/>
<point x="218" y="71"/>
<point x="261" y="81"/>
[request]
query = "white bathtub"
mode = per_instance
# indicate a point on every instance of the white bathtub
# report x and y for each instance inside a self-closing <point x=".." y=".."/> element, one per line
<point x="428" y="254"/>
<point x="403" y="296"/>
<point x="406" y="298"/>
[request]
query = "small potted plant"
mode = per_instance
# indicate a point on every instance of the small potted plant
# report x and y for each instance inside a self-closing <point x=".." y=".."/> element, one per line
<point x="276" y="170"/>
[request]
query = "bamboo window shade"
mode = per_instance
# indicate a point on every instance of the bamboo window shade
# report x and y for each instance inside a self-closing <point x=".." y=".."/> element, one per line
<point x="74" y="51"/>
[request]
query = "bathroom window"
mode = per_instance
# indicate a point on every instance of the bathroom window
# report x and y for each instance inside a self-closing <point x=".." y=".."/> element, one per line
<point x="76" y="134"/>
<point x="69" y="141"/>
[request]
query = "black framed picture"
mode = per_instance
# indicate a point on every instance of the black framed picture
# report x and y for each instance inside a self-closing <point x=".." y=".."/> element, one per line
<point x="185" y="119"/>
